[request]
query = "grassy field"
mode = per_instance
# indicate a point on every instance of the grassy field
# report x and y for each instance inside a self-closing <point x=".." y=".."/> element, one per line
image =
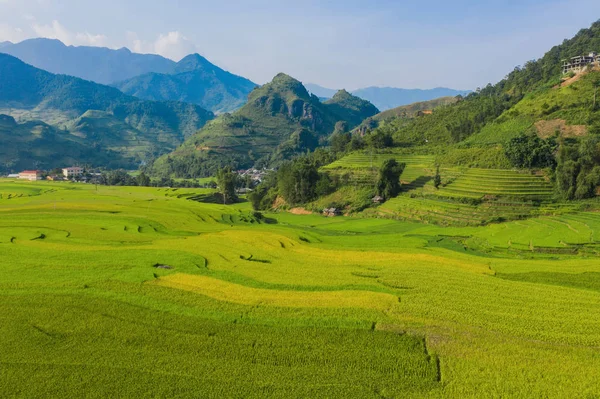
<point x="141" y="292"/>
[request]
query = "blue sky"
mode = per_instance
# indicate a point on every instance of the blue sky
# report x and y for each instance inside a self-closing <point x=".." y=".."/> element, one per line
<point x="339" y="44"/>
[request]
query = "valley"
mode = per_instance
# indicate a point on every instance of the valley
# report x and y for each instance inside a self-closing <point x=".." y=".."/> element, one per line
<point x="172" y="229"/>
<point x="312" y="306"/>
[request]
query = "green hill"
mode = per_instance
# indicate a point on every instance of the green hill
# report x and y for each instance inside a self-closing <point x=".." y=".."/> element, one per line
<point x="280" y="119"/>
<point x="512" y="150"/>
<point x="405" y="112"/>
<point x="350" y="109"/>
<point x="35" y="144"/>
<point x="193" y="80"/>
<point x="528" y="95"/>
<point x="133" y="127"/>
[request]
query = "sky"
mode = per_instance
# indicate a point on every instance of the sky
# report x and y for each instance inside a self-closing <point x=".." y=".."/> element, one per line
<point x="461" y="44"/>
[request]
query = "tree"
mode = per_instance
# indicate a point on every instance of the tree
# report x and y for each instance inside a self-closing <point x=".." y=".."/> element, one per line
<point x="297" y="181"/>
<point x="226" y="181"/>
<point x="143" y="180"/>
<point x="529" y="151"/>
<point x="596" y="84"/>
<point x="339" y="142"/>
<point x="578" y="171"/>
<point x="437" y="179"/>
<point x="388" y="184"/>
<point x="379" y="139"/>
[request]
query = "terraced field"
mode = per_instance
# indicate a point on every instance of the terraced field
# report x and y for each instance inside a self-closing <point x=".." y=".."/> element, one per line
<point x="477" y="183"/>
<point x="448" y="212"/>
<point x="361" y="168"/>
<point x="140" y="292"/>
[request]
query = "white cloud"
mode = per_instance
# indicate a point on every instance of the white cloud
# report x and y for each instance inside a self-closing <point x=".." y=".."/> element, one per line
<point x="11" y="34"/>
<point x="173" y="45"/>
<point x="57" y="31"/>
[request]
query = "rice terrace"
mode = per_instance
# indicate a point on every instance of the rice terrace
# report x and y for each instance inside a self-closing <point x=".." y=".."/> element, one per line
<point x="302" y="305"/>
<point x="174" y="228"/>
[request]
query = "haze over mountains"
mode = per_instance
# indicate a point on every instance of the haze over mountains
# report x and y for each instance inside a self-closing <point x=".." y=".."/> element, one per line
<point x="194" y="79"/>
<point x="386" y="98"/>
<point x="98" y="64"/>
<point x="150" y="77"/>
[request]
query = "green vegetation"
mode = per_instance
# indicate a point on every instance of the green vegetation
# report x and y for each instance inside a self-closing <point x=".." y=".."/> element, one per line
<point x="226" y="181"/>
<point x="578" y="171"/>
<point x="192" y="80"/>
<point x="388" y="182"/>
<point x="146" y="292"/>
<point x="119" y="130"/>
<point x="279" y="121"/>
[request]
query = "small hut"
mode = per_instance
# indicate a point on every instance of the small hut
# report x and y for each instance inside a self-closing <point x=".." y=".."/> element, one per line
<point x="331" y="212"/>
<point x="378" y="199"/>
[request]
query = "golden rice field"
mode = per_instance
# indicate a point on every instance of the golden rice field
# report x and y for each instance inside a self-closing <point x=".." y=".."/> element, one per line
<point x="141" y="292"/>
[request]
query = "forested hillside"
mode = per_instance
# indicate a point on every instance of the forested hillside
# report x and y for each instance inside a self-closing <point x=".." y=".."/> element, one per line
<point x="193" y="80"/>
<point x="132" y="130"/>
<point x="281" y="119"/>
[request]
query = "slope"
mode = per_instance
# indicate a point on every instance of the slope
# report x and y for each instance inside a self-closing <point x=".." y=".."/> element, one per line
<point x="194" y="80"/>
<point x="527" y="95"/>
<point x="35" y="144"/>
<point x="98" y="64"/>
<point x="280" y="119"/>
<point x="386" y="98"/>
<point x="32" y="94"/>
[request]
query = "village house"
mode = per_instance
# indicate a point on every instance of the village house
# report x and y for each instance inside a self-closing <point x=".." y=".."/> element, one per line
<point x="579" y="63"/>
<point x="73" y="171"/>
<point x="31" y="175"/>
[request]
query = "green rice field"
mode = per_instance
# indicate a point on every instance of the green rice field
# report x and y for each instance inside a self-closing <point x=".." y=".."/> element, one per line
<point x="146" y="292"/>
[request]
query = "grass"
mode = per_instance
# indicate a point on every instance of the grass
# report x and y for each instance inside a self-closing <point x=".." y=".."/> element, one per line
<point x="336" y="307"/>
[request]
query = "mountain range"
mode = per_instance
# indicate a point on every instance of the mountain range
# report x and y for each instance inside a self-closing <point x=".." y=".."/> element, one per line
<point x="94" y="115"/>
<point x="149" y="77"/>
<point x="386" y="98"/>
<point x="280" y="119"/>
<point x="98" y="64"/>
<point x="194" y="80"/>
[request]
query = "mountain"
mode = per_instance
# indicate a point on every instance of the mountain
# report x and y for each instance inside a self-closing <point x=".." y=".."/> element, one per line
<point x="350" y="109"/>
<point x="194" y="80"/>
<point x="280" y="119"/>
<point x="535" y="100"/>
<point x="5" y="44"/>
<point x="101" y="116"/>
<point x="100" y="65"/>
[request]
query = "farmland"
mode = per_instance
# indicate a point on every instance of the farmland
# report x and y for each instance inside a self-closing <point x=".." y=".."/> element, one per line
<point x="138" y="292"/>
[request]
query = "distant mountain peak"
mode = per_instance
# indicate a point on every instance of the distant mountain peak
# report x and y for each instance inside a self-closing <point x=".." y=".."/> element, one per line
<point x="342" y="94"/>
<point x="7" y="120"/>
<point x="191" y="63"/>
<point x="283" y="82"/>
<point x="98" y="64"/>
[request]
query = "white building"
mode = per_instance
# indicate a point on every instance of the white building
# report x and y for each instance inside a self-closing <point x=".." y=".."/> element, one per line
<point x="73" y="171"/>
<point x="579" y="63"/>
<point x="31" y="175"/>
